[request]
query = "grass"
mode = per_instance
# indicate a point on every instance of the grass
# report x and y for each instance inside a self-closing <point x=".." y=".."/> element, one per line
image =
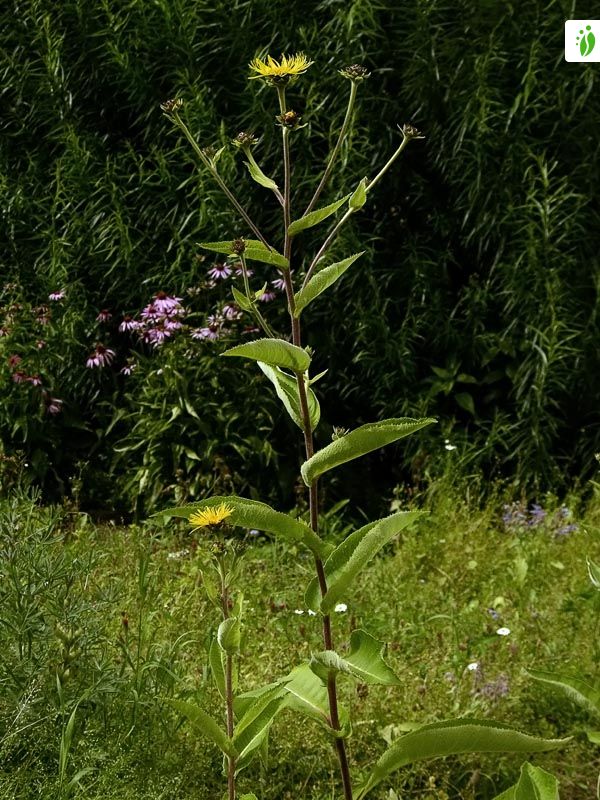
<point x="101" y="624"/>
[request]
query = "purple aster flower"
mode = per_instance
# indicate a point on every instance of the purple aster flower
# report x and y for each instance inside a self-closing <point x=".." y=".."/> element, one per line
<point x="101" y="357"/>
<point x="536" y="515"/>
<point x="219" y="272"/>
<point x="104" y="316"/>
<point x="565" y="530"/>
<point x="129" y="324"/>
<point x="240" y="272"/>
<point x="54" y="296"/>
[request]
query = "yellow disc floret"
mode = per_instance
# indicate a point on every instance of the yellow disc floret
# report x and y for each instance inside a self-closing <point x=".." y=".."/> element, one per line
<point x="280" y="71"/>
<point x="204" y="517"/>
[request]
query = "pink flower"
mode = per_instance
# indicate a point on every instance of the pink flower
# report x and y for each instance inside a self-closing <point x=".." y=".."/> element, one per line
<point x="129" y="324"/>
<point x="231" y="311"/>
<point x="54" y="405"/>
<point x="104" y="316"/>
<point x="54" y="296"/>
<point x="156" y="335"/>
<point x="101" y="357"/>
<point x="14" y="360"/>
<point x="279" y="283"/>
<point x="150" y="313"/>
<point x="267" y="296"/>
<point x="210" y="333"/>
<point x="164" y="304"/>
<point x="19" y="376"/>
<point x="34" y="380"/>
<point x="128" y="368"/>
<point x="240" y="272"/>
<point x="219" y="272"/>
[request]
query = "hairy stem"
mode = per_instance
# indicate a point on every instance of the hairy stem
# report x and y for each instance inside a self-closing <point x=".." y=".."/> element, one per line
<point x="228" y="686"/>
<point x="224" y="188"/>
<point x="334" y="720"/>
<point x="334" y="152"/>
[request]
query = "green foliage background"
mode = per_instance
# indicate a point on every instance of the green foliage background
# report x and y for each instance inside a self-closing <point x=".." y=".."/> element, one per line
<point x="477" y="299"/>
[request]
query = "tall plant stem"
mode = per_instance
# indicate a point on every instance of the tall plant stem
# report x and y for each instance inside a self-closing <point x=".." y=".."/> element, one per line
<point x="228" y="686"/>
<point x="334" y="718"/>
<point x="335" y="151"/>
<point x="224" y="188"/>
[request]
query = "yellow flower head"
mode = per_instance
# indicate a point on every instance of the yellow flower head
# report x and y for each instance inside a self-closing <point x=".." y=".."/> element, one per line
<point x="282" y="71"/>
<point x="210" y="516"/>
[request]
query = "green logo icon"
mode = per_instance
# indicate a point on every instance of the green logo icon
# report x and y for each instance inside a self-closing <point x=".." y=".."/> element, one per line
<point x="586" y="40"/>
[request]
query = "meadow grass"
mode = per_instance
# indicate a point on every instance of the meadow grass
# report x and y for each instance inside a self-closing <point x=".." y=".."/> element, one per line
<point x="101" y="624"/>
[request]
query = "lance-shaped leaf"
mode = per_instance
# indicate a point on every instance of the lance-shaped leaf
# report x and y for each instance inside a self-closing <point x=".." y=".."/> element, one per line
<point x="594" y="573"/>
<point x="306" y="693"/>
<point x="359" y="442"/>
<point x="533" y="784"/>
<point x="253" y="727"/>
<point x="322" y="280"/>
<point x="259" y="176"/>
<point x="314" y="217"/>
<point x="453" y="737"/>
<point x="275" y="352"/>
<point x="359" y="196"/>
<point x="253" y="514"/>
<point x="286" y="387"/>
<point x="216" y="660"/>
<point x="349" y="558"/>
<point x="241" y="300"/>
<point x="205" y="725"/>
<point x="581" y="692"/>
<point x="365" y="661"/>
<point x="255" y="250"/>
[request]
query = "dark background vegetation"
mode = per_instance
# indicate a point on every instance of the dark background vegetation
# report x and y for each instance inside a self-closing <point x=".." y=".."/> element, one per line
<point x="476" y="300"/>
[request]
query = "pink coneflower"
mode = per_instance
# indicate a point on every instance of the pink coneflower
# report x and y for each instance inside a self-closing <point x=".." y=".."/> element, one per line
<point x="104" y="316"/>
<point x="19" y="376"/>
<point x="129" y="324"/>
<point x="231" y="311"/>
<point x="150" y="313"/>
<point x="129" y="367"/>
<point x="164" y="304"/>
<point x="54" y="405"/>
<point x="240" y="272"/>
<point x="101" y="357"/>
<point x="279" y="283"/>
<point x="219" y="272"/>
<point x="40" y="344"/>
<point x="156" y="335"/>
<point x="211" y="333"/>
<point x="267" y="296"/>
<point x="251" y="329"/>
<point x="34" y="380"/>
<point x="172" y="324"/>
<point x="3" y="332"/>
<point x="14" y="360"/>
<point x="54" y="296"/>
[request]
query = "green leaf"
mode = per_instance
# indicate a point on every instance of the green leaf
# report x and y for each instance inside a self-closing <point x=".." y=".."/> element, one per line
<point x="359" y="196"/>
<point x="359" y="442"/>
<point x="248" y="797"/>
<point x="286" y="387"/>
<point x="365" y="661"/>
<point x="306" y="693"/>
<point x="355" y="552"/>
<point x="465" y="400"/>
<point x="216" y="660"/>
<point x="253" y="727"/>
<point x="594" y="573"/>
<point x="241" y="300"/>
<point x="205" y="725"/>
<point x="593" y="736"/>
<point x="579" y="691"/>
<point x="275" y="352"/>
<point x="534" y="784"/>
<point x="450" y="738"/>
<point x="255" y="251"/>
<point x="321" y="281"/>
<point x="256" y="515"/>
<point x="229" y="636"/>
<point x="314" y="217"/>
<point x="259" y="176"/>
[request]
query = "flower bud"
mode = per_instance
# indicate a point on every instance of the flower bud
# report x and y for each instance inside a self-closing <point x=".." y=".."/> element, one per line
<point x="244" y="139"/>
<point x="410" y="132"/>
<point x="238" y="246"/>
<point x="355" y="72"/>
<point x="172" y="106"/>
<point x="289" y="119"/>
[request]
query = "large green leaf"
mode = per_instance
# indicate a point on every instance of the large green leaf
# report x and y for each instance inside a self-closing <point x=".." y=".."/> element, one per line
<point x="256" y="515"/>
<point x="349" y="558"/>
<point x="314" y="217"/>
<point x="321" y="281"/>
<point x="534" y="784"/>
<point x="286" y="387"/>
<point x="450" y="738"/>
<point x="581" y="692"/>
<point x="306" y="693"/>
<point x="365" y="661"/>
<point x="275" y="352"/>
<point x="205" y="725"/>
<point x="259" y="176"/>
<point x="229" y="636"/>
<point x="253" y="727"/>
<point x="359" y="442"/>
<point x="255" y="251"/>
<point x="359" y="196"/>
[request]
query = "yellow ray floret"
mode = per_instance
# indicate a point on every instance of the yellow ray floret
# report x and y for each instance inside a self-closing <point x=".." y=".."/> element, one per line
<point x="286" y="67"/>
<point x="210" y="516"/>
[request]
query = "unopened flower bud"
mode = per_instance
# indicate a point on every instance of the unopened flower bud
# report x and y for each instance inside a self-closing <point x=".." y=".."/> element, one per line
<point x="289" y="119"/>
<point x="244" y="139"/>
<point x="339" y="433"/>
<point x="238" y="246"/>
<point x="410" y="132"/>
<point x="171" y="106"/>
<point x="355" y="72"/>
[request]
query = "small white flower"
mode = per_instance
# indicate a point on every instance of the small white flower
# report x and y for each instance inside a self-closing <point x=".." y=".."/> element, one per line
<point x="449" y="446"/>
<point x="298" y="611"/>
<point x="341" y="607"/>
<point x="473" y="666"/>
<point x="312" y="613"/>
<point x="503" y="631"/>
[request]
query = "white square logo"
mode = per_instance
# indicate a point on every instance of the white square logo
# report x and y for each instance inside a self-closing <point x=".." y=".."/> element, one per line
<point x="582" y="40"/>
